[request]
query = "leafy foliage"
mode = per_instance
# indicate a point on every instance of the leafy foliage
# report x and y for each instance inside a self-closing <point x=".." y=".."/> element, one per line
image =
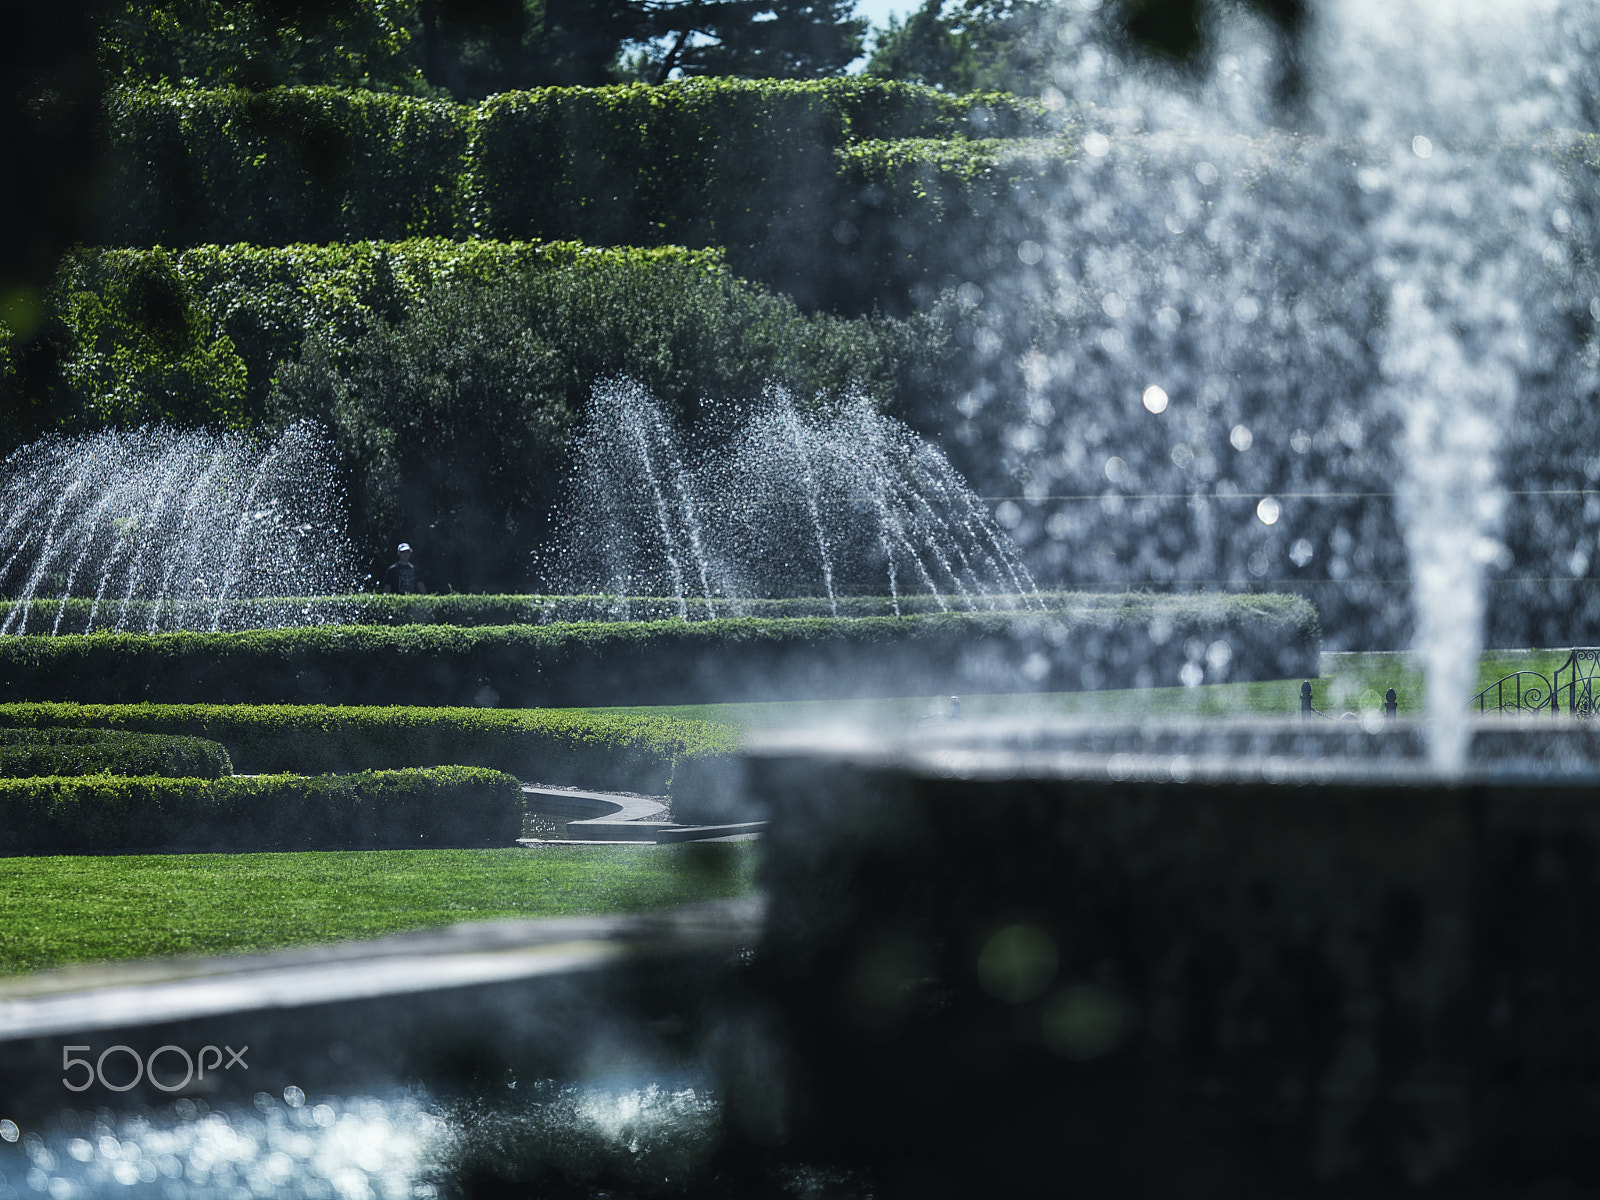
<point x="259" y="43"/>
<point x="450" y="374"/>
<point x="998" y="45"/>
<point x="99" y="813"/>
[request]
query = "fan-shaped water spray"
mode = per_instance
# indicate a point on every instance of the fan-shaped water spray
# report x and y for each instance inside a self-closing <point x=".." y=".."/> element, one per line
<point x="156" y="529"/>
<point x="792" y="504"/>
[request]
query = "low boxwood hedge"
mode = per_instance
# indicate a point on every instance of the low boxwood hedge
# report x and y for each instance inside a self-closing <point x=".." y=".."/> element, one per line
<point x="26" y="753"/>
<point x="439" y="806"/>
<point x="1106" y="642"/>
<point x="631" y="752"/>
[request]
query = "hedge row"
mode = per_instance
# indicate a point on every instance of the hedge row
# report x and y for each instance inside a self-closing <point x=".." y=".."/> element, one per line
<point x="27" y="753"/>
<point x="631" y="752"/>
<point x="745" y="164"/>
<point x="85" y="615"/>
<point x="441" y="806"/>
<point x="323" y="164"/>
<point x="665" y="662"/>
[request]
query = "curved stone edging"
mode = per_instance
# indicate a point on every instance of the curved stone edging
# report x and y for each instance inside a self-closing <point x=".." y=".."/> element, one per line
<point x="583" y="807"/>
<point x="610" y="817"/>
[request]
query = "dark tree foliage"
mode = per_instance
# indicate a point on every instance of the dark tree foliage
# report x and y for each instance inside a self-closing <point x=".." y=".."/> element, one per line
<point x="259" y="43"/>
<point x="759" y="39"/>
<point x="972" y="45"/>
<point x="1007" y="45"/>
<point x="474" y="48"/>
<point x="470" y="49"/>
<point x="51" y="97"/>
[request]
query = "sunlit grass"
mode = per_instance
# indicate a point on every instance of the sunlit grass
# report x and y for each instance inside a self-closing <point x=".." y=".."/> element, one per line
<point x="1347" y="682"/>
<point x="60" y="910"/>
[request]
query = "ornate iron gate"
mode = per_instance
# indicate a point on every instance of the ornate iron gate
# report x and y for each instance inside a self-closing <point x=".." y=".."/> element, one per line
<point x="1570" y="687"/>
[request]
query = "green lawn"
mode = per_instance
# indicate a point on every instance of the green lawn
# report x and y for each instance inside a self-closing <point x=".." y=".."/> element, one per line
<point x="1347" y="682"/>
<point x="55" y="911"/>
<point x="60" y="910"/>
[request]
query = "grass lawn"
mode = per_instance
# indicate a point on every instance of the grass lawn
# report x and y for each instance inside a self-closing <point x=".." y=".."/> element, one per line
<point x="55" y="911"/>
<point x="1347" y="682"/>
<point x="60" y="910"/>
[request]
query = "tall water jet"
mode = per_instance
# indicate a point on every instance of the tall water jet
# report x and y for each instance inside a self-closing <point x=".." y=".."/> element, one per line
<point x="1462" y="241"/>
<point x="1301" y="344"/>
<point x="155" y="529"/>
<point x="787" y="503"/>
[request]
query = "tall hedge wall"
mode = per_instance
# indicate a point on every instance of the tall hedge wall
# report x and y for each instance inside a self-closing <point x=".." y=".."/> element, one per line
<point x="283" y="165"/>
<point x="744" y="164"/>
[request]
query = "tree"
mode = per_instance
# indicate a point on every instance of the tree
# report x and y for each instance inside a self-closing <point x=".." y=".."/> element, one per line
<point x="260" y="43"/>
<point x="979" y="45"/>
<point x="1009" y="45"/>
<point x="765" y="39"/>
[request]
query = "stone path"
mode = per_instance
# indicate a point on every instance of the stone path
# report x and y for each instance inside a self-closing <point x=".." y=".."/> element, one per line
<point x="611" y="817"/>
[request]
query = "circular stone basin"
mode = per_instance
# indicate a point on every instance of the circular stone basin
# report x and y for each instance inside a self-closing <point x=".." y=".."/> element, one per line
<point x="1287" y="950"/>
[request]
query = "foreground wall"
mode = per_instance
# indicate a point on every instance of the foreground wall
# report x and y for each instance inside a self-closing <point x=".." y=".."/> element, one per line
<point x="1234" y="987"/>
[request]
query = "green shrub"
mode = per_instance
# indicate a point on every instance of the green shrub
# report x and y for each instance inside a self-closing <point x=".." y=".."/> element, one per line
<point x="195" y="336"/>
<point x="26" y="753"/>
<point x="99" y="813"/>
<point x="631" y="752"/>
<point x="664" y="662"/>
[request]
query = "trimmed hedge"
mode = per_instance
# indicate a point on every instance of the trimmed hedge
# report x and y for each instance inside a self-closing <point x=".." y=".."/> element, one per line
<point x="1110" y="642"/>
<point x="440" y="806"/>
<point x="26" y="753"/>
<point x="283" y="165"/>
<point x="631" y="752"/>
<point x="743" y="164"/>
<point x="309" y="164"/>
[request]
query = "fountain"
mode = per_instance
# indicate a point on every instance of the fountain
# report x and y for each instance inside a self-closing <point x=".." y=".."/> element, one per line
<point x="154" y="529"/>
<point x="1334" y="348"/>
<point x="1295" y="958"/>
<point x="845" y="500"/>
<point x="1265" y="957"/>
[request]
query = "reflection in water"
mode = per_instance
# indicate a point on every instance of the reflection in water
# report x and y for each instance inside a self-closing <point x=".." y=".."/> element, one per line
<point x="575" y="1139"/>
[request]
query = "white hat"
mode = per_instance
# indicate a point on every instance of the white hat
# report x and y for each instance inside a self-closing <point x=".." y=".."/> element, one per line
<point x="404" y="546"/>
